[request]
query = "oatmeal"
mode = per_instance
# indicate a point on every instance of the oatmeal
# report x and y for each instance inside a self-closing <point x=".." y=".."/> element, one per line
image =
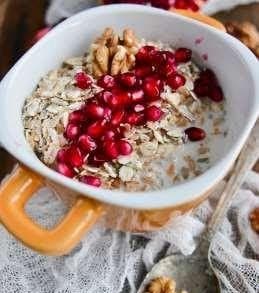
<point x="129" y="114"/>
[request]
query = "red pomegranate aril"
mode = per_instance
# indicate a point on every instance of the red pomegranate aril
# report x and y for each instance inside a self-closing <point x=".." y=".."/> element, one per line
<point x="183" y="55"/>
<point x="164" y="4"/>
<point x="138" y="108"/>
<point x="72" y="131"/>
<point x="128" y="79"/>
<point x="96" y="159"/>
<point x="168" y="56"/>
<point x="109" y="135"/>
<point x="96" y="129"/>
<point x="91" y="180"/>
<point x="65" y="170"/>
<point x="208" y="76"/>
<point x="110" y="149"/>
<point x="181" y="4"/>
<point x="118" y="99"/>
<point x="195" y="133"/>
<point x="74" y="157"/>
<point x="157" y="58"/>
<point x="61" y="155"/>
<point x="135" y="118"/>
<point x="86" y="143"/>
<point x="106" y="82"/>
<point x="167" y="69"/>
<point x="103" y="97"/>
<point x="144" y="54"/>
<point x="193" y="6"/>
<point x="216" y="94"/>
<point x="124" y="147"/>
<point x="153" y="113"/>
<point x="107" y="113"/>
<point x="201" y="89"/>
<point x="83" y="81"/>
<point x="176" y="80"/>
<point x="76" y="117"/>
<point x="143" y="71"/>
<point x="94" y="111"/>
<point x="152" y="87"/>
<point x="117" y="118"/>
<point x="137" y="96"/>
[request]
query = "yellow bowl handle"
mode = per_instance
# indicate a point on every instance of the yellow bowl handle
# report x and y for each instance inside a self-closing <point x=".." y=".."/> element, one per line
<point x="15" y="193"/>
<point x="200" y="17"/>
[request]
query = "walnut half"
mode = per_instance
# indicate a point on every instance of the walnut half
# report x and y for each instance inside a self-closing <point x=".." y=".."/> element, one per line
<point x="112" y="55"/>
<point x="161" y="285"/>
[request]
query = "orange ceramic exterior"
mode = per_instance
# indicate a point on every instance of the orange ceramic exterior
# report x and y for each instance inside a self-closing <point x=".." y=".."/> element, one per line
<point x="22" y="183"/>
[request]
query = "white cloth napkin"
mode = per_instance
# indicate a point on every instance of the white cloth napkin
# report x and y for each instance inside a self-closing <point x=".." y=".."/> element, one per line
<point x="111" y="262"/>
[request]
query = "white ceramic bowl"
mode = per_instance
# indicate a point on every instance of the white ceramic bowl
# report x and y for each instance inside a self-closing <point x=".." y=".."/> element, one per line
<point x="236" y="68"/>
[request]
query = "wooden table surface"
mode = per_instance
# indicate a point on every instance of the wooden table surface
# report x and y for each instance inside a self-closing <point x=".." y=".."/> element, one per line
<point x="19" y="19"/>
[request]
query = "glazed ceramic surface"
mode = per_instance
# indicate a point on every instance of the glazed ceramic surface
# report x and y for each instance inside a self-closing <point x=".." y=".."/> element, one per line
<point x="235" y="66"/>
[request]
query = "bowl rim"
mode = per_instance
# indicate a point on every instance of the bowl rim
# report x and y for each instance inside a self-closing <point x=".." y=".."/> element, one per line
<point x="158" y="199"/>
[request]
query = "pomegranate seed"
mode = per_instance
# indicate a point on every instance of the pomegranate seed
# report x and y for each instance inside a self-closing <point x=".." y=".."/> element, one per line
<point x="201" y="89"/>
<point x="144" y="54"/>
<point x="83" y="81"/>
<point x="208" y="76"/>
<point x="183" y="55"/>
<point x="108" y="135"/>
<point x="137" y="96"/>
<point x="167" y="69"/>
<point x="157" y="58"/>
<point x="143" y="71"/>
<point x="61" y="155"/>
<point x="94" y="111"/>
<point x="72" y="131"/>
<point x="118" y="99"/>
<point x="117" y="118"/>
<point x="138" y="108"/>
<point x="176" y="80"/>
<point x="107" y="113"/>
<point x="107" y="82"/>
<point x="110" y="149"/>
<point x="181" y="4"/>
<point x="40" y="34"/>
<point x="153" y="113"/>
<point x="77" y="116"/>
<point x="91" y="180"/>
<point x="96" y="129"/>
<point x="195" y="133"/>
<point x="193" y="6"/>
<point x="65" y="170"/>
<point x="164" y="4"/>
<point x="74" y="157"/>
<point x="135" y="118"/>
<point x="216" y="94"/>
<point x="103" y="97"/>
<point x="86" y="143"/>
<point x="124" y="147"/>
<point x="152" y="87"/>
<point x="96" y="159"/>
<point x="168" y="56"/>
<point x="128" y="79"/>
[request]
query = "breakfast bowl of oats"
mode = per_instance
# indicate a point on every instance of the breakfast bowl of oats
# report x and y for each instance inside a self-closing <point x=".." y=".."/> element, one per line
<point x="140" y="111"/>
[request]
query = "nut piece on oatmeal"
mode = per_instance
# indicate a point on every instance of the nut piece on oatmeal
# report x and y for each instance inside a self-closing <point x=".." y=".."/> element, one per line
<point x="161" y="285"/>
<point x="112" y="55"/>
<point x="126" y="173"/>
<point x="254" y="219"/>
